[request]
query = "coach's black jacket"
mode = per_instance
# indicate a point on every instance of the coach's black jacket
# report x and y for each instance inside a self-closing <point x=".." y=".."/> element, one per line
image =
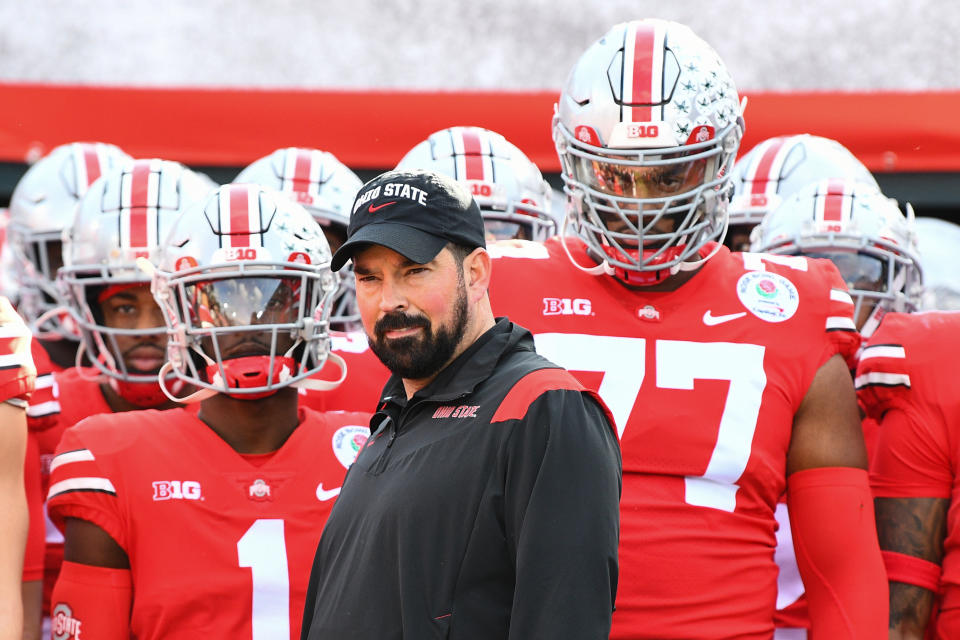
<point x="485" y="507"/>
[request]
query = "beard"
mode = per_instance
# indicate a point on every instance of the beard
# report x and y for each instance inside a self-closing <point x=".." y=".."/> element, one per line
<point x="420" y="356"/>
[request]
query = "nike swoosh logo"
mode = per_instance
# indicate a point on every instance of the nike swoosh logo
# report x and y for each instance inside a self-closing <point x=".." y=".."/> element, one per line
<point x="326" y="494"/>
<point x="373" y="209"/>
<point x="711" y="320"/>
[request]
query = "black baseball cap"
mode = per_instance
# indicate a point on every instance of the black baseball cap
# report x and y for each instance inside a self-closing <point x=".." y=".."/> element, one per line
<point x="415" y="213"/>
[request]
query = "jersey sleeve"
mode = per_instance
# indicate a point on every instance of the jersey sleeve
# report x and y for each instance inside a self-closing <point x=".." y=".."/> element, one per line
<point x="17" y="371"/>
<point x="883" y="377"/>
<point x="840" y="325"/>
<point x="911" y="459"/>
<point x="81" y="485"/>
<point x="44" y="409"/>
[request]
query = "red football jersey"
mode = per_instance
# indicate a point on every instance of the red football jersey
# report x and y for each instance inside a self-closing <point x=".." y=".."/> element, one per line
<point x="44" y="409"/>
<point x="366" y="376"/>
<point x="906" y="381"/>
<point x="703" y="384"/>
<point x="220" y="545"/>
<point x="75" y="397"/>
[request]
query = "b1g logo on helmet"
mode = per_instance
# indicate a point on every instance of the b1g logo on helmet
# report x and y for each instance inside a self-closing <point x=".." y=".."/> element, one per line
<point x="64" y="625"/>
<point x="177" y="490"/>
<point x="567" y="307"/>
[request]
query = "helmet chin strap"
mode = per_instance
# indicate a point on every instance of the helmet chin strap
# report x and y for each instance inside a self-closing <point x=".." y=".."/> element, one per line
<point x="45" y="317"/>
<point x="597" y="270"/>
<point x="196" y="396"/>
<point x="325" y="385"/>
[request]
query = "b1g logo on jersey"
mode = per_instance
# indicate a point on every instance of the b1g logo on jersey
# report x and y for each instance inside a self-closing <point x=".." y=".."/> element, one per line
<point x="64" y="625"/>
<point x="177" y="490"/>
<point x="347" y="442"/>
<point x="567" y="307"/>
<point x="769" y="296"/>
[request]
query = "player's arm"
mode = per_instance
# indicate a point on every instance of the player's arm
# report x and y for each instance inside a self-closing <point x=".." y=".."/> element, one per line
<point x="912" y="531"/>
<point x="561" y="519"/>
<point x="94" y="591"/>
<point x="912" y="476"/>
<point x="831" y="511"/>
<point x="13" y="524"/>
<point x="32" y="587"/>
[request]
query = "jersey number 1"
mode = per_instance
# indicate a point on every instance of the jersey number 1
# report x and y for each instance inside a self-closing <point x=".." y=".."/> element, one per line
<point x="263" y="549"/>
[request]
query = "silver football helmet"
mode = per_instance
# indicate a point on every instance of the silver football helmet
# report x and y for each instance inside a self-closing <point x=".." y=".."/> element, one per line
<point x="647" y="127"/>
<point x="514" y="199"/>
<point x="326" y="188"/>
<point x="41" y="207"/>
<point x="124" y="215"/>
<point x="863" y="232"/>
<point x="245" y="284"/>
<point x="938" y="241"/>
<point x="778" y="167"/>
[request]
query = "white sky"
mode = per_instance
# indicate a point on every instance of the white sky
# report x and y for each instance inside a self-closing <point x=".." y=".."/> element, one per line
<point x="446" y="44"/>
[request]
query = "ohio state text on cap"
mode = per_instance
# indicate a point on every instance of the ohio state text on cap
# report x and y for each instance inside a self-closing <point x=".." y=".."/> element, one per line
<point x="415" y="213"/>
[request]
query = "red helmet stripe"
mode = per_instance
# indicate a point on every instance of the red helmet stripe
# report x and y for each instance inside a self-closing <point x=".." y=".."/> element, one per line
<point x="91" y="163"/>
<point x="473" y="155"/>
<point x="302" y="169"/>
<point x="139" y="203"/>
<point x="642" y="70"/>
<point x="835" y="201"/>
<point x="761" y="177"/>
<point x="239" y="216"/>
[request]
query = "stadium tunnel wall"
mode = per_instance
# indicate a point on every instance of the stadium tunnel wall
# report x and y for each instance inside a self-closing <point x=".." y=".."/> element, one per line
<point x="221" y="130"/>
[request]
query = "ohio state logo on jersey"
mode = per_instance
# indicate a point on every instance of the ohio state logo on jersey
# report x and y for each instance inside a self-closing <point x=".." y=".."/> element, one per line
<point x="177" y="490"/>
<point x="567" y="307"/>
<point x="64" y="625"/>
<point x="260" y="490"/>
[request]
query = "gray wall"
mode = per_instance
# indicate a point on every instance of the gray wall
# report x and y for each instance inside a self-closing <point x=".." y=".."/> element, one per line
<point x="445" y="44"/>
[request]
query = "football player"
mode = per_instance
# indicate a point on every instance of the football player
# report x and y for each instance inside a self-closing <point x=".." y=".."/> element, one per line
<point x="725" y="372"/>
<point x="41" y="207"/>
<point x="123" y="215"/>
<point x="904" y="381"/>
<point x="874" y="246"/>
<point x="514" y="199"/>
<point x="326" y="188"/>
<point x="181" y="524"/>
<point x="937" y="242"/>
<point x="16" y="382"/>
<point x="777" y="168"/>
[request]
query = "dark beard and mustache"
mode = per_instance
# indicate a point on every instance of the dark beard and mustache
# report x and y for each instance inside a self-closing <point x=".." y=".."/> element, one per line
<point x="420" y="356"/>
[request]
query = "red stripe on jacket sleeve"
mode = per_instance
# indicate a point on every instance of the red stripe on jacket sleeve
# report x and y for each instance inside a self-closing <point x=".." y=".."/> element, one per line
<point x="531" y="386"/>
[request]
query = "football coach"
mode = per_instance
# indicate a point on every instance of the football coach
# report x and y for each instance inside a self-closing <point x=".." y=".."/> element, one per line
<point x="485" y="503"/>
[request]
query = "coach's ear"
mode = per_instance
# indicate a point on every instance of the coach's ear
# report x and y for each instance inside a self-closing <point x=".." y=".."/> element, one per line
<point x="477" y="269"/>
